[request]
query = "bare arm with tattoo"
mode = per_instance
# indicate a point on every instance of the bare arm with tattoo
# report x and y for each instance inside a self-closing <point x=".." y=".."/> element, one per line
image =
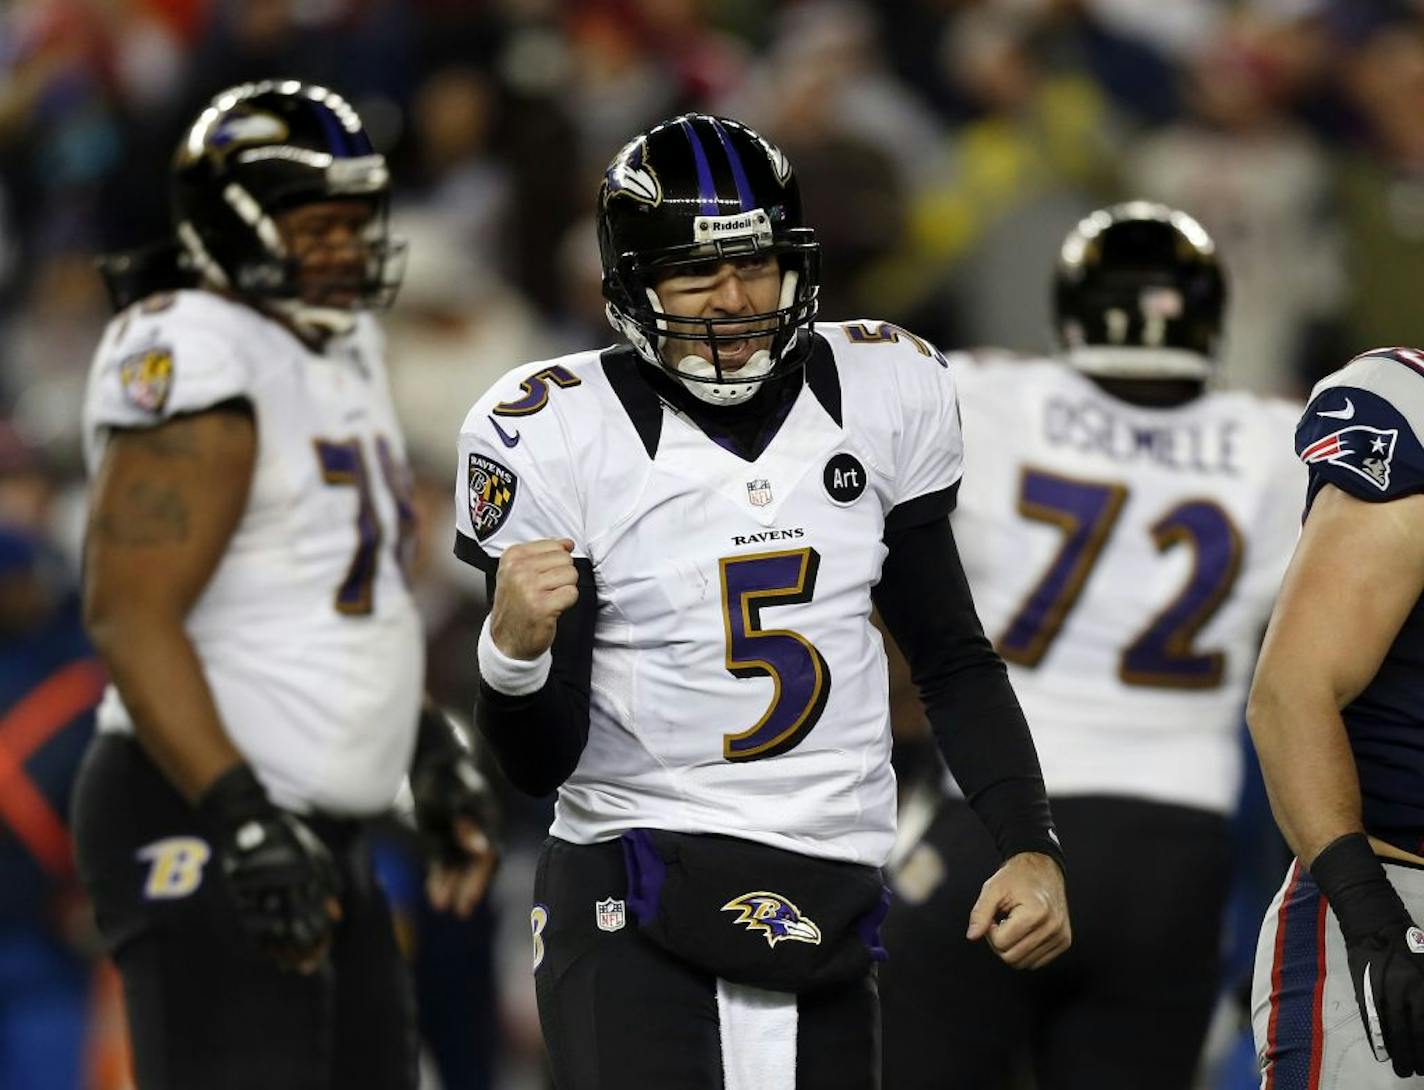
<point x="164" y="506"/>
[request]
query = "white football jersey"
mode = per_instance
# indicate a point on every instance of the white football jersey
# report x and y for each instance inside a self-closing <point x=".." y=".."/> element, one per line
<point x="1124" y="561"/>
<point x="307" y="631"/>
<point x="738" y="686"/>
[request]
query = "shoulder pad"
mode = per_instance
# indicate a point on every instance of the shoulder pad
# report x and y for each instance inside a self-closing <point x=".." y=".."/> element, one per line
<point x="170" y="354"/>
<point x="870" y="332"/>
<point x="1361" y="429"/>
<point x="531" y="388"/>
<point x="519" y="465"/>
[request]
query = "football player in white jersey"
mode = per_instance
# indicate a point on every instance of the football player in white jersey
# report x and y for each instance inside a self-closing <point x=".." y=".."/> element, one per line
<point x="1125" y="528"/>
<point x="686" y="535"/>
<point x="1336" y="712"/>
<point x="247" y="529"/>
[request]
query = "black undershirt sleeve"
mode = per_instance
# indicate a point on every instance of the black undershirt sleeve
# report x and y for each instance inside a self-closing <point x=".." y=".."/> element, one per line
<point x="538" y="739"/>
<point x="924" y="598"/>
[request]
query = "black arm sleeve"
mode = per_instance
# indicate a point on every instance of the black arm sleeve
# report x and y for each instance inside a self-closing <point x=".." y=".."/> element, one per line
<point x="924" y="598"/>
<point x="537" y="739"/>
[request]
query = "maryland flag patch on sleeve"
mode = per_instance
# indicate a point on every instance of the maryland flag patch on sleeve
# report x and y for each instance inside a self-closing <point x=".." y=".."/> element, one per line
<point x="147" y="378"/>
<point x="492" y="487"/>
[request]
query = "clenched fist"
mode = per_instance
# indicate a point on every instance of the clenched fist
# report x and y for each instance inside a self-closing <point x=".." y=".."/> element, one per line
<point x="1023" y="912"/>
<point x="536" y="582"/>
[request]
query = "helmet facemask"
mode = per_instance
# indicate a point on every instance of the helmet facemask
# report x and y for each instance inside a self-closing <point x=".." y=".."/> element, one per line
<point x="331" y="280"/>
<point x="636" y="309"/>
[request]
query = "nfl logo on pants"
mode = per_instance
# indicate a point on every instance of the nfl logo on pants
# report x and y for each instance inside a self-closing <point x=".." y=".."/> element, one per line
<point x="610" y="914"/>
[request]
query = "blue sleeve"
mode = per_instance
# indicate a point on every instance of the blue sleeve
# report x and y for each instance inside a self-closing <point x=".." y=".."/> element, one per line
<point x="1359" y="441"/>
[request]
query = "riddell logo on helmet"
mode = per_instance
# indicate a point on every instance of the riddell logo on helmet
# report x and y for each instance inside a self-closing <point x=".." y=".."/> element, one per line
<point x="742" y="225"/>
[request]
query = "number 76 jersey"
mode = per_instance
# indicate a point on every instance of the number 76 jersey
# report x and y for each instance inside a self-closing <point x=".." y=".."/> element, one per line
<point x="738" y="686"/>
<point x="307" y="632"/>
<point x="1124" y="560"/>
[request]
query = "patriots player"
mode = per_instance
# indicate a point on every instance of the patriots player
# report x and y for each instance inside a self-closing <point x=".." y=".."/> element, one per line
<point x="1126" y="527"/>
<point x="243" y="557"/>
<point x="686" y="535"/>
<point x="1335" y="711"/>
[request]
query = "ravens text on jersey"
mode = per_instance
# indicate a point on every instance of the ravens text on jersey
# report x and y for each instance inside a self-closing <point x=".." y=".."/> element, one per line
<point x="686" y="536"/>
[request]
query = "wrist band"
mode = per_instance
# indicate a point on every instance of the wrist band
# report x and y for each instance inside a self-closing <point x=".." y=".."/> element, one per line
<point x="233" y="798"/>
<point x="513" y="677"/>
<point x="1354" y="883"/>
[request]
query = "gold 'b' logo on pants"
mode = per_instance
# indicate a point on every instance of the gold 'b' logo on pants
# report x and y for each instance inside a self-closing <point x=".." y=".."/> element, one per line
<point x="175" y="866"/>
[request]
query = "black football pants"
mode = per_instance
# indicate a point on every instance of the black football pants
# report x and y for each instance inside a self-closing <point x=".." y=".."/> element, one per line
<point x="1126" y="1008"/>
<point x="619" y="1012"/>
<point x="205" y="1008"/>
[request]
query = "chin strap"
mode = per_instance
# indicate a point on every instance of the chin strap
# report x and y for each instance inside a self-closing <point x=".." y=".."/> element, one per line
<point x="311" y="322"/>
<point x="209" y="270"/>
<point x="314" y="322"/>
<point x="699" y="375"/>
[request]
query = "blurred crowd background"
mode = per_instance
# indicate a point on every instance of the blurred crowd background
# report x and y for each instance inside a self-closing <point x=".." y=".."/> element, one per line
<point x="944" y="147"/>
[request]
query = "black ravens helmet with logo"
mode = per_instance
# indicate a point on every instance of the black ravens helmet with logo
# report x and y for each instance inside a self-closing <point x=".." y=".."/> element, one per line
<point x="1139" y="293"/>
<point x="699" y="189"/>
<point x="259" y="149"/>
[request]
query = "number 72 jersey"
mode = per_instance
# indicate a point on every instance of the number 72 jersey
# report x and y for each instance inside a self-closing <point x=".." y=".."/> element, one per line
<point x="738" y="686"/>
<point x="1124" y="560"/>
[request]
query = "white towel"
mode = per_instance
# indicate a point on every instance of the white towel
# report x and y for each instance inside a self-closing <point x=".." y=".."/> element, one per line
<point x="758" y="1037"/>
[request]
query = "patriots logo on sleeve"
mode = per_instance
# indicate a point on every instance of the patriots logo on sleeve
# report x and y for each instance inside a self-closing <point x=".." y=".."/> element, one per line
<point x="772" y="915"/>
<point x="1361" y="449"/>
<point x="1361" y="442"/>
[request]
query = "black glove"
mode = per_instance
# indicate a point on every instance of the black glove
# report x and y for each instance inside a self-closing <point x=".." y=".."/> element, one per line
<point x="446" y="783"/>
<point x="1384" y="948"/>
<point x="280" y="876"/>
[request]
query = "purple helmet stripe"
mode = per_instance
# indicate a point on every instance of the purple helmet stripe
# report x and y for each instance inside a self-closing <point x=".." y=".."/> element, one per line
<point x="706" y="187"/>
<point x="335" y="134"/>
<point x="744" y="188"/>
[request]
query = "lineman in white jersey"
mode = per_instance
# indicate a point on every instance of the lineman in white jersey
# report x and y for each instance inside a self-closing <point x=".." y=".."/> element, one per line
<point x="294" y="679"/>
<point x="685" y="536"/>
<point x="244" y="587"/>
<point x="1125" y="531"/>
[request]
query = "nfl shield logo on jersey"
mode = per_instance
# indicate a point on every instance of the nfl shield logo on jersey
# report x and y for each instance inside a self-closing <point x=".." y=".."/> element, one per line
<point x="610" y="914"/>
<point x="759" y="492"/>
<point x="492" y="488"/>
<point x="146" y="378"/>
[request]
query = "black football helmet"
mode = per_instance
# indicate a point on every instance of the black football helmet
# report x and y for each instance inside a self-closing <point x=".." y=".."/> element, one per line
<point x="1139" y="293"/>
<point x="699" y="189"/>
<point x="259" y="149"/>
